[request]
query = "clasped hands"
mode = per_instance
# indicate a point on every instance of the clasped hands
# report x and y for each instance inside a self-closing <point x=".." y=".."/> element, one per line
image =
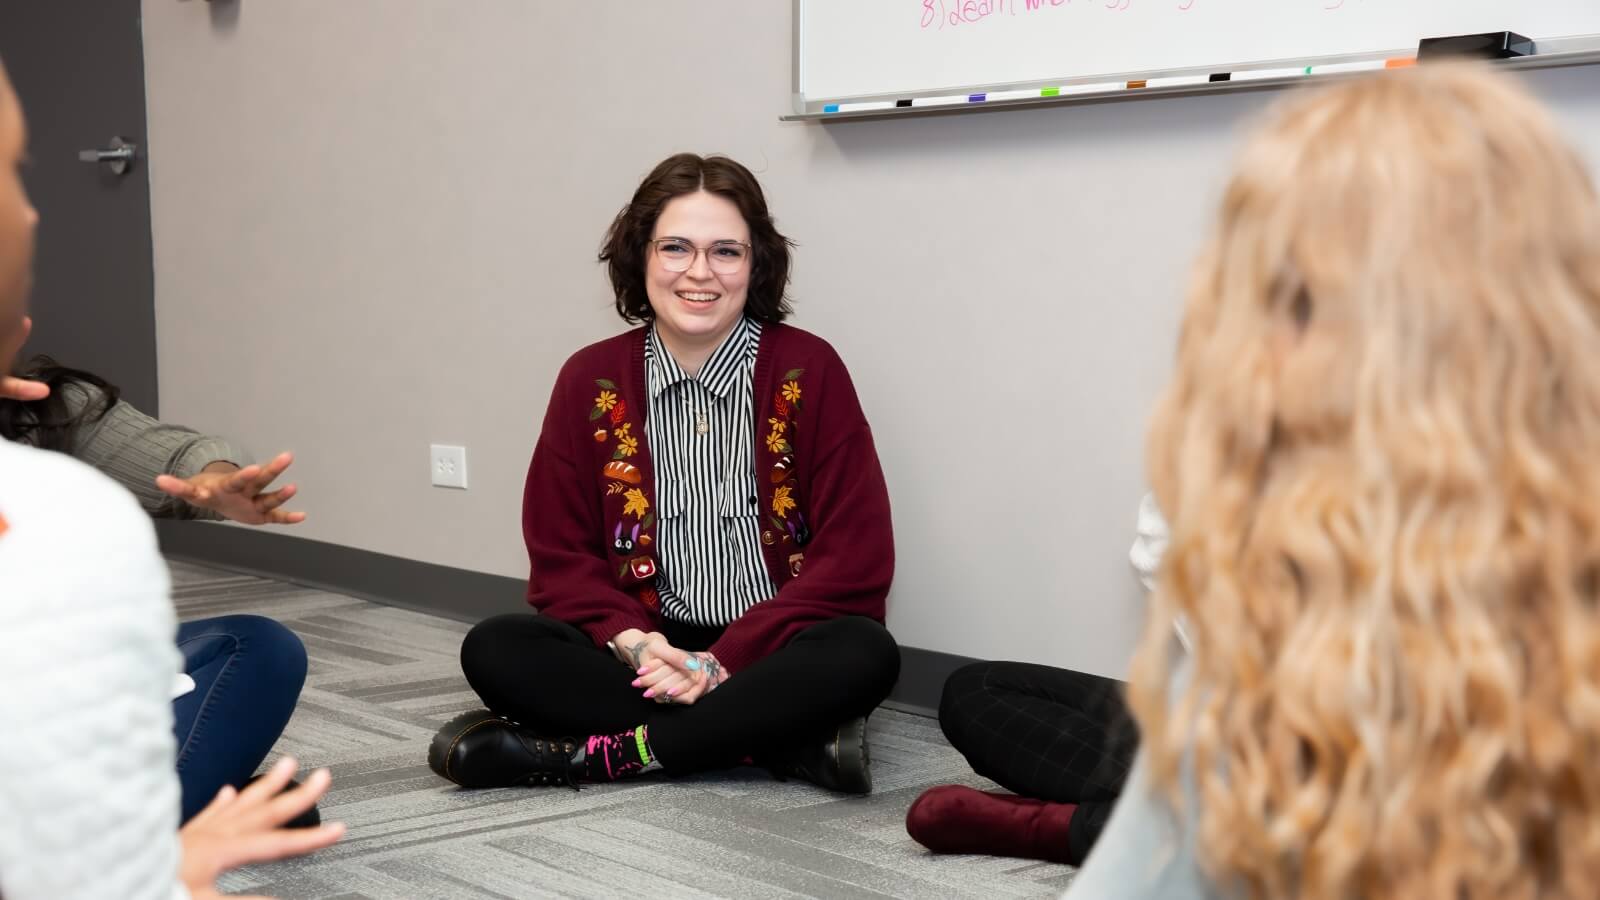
<point x="665" y="673"/>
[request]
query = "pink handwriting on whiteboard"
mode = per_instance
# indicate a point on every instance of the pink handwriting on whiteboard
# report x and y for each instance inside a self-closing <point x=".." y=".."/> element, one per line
<point x="967" y="12"/>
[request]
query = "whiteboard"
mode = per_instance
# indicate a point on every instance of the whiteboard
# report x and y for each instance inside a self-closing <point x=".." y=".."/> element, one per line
<point x="876" y="48"/>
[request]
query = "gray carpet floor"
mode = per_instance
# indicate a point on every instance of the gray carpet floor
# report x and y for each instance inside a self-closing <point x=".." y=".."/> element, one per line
<point x="383" y="679"/>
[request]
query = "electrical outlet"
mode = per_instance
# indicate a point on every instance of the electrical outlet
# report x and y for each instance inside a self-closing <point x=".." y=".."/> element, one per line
<point x="447" y="466"/>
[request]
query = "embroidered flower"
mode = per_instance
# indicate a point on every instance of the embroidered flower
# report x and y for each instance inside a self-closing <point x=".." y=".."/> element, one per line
<point x="781" y="501"/>
<point x="607" y="400"/>
<point x="636" y="504"/>
<point x="624" y="430"/>
<point x="775" y="442"/>
<point x="791" y="391"/>
<point x="778" y="425"/>
<point x="619" y="412"/>
<point x="627" y="445"/>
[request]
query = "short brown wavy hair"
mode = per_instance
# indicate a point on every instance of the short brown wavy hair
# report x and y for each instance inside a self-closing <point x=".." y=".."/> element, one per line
<point x="627" y="240"/>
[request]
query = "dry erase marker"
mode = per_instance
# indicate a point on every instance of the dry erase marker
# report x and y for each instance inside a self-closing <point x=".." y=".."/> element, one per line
<point x="1103" y="87"/>
<point x="1365" y="65"/>
<point x="866" y="106"/>
<point x="1178" y="80"/>
<point x="946" y="100"/>
<point x="1263" y="74"/>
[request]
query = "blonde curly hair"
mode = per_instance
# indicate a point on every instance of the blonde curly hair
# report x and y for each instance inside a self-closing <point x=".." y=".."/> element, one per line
<point x="1380" y="455"/>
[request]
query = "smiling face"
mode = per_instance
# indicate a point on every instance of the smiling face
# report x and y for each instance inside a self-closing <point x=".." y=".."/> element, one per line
<point x="17" y="219"/>
<point x="696" y="309"/>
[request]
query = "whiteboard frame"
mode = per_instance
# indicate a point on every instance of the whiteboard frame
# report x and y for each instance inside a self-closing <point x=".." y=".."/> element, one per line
<point x="1552" y="53"/>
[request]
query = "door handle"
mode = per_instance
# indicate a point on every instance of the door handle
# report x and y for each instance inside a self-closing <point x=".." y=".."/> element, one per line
<point x="117" y="157"/>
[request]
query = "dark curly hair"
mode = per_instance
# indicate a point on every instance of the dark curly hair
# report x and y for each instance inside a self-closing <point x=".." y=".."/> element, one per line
<point x="627" y="241"/>
<point x="51" y="424"/>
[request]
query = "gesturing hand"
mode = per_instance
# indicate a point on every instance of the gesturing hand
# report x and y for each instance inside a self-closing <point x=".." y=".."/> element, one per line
<point x="242" y="827"/>
<point x="238" y="494"/>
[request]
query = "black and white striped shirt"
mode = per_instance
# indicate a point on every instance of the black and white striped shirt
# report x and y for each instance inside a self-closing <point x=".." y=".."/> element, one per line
<point x="702" y="440"/>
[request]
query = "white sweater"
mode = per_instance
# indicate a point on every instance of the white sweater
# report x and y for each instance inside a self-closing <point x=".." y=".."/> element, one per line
<point x="88" y="790"/>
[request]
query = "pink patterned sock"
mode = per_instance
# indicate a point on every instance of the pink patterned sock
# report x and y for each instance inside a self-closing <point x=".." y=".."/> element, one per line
<point x="609" y="757"/>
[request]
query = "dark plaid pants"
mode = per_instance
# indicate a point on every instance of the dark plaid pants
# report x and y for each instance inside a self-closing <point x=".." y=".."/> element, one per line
<point x="1046" y="733"/>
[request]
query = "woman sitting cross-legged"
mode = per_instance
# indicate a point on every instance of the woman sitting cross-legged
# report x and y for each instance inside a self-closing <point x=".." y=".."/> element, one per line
<point x="707" y="524"/>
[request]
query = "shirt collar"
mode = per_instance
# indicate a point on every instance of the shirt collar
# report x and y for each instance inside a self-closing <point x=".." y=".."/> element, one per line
<point x="722" y="369"/>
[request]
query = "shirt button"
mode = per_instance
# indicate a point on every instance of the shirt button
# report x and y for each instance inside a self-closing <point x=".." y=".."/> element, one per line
<point x="752" y="501"/>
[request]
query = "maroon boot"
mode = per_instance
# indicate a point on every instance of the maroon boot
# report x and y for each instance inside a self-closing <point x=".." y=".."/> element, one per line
<point x="957" y="819"/>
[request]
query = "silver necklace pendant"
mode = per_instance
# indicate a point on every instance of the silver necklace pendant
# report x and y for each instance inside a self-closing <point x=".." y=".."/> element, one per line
<point x="701" y="426"/>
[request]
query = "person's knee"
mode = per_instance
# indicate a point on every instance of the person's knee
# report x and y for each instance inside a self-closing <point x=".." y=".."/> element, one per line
<point x="869" y="645"/>
<point x="489" y="642"/>
<point x="267" y="644"/>
<point x="960" y="685"/>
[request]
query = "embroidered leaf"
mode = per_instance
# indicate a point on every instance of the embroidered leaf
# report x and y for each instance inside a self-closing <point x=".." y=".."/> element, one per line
<point x="615" y="487"/>
<point x="648" y="520"/>
<point x="776" y="523"/>
<point x="622" y="571"/>
<point x="792" y="374"/>
<point x="606" y="383"/>
<point x="617" y="454"/>
<point x="636" y="504"/>
<point x="596" y="413"/>
<point x="781" y="501"/>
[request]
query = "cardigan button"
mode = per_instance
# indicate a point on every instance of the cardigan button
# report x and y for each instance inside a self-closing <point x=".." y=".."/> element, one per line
<point x="767" y="538"/>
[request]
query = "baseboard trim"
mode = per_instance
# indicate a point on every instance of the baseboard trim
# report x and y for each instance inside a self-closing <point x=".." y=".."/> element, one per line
<point x="459" y="594"/>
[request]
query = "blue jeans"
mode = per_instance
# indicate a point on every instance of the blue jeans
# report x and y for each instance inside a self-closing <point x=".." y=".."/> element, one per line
<point x="247" y="671"/>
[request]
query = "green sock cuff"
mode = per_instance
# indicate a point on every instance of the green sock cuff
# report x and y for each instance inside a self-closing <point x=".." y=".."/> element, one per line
<point x="641" y="737"/>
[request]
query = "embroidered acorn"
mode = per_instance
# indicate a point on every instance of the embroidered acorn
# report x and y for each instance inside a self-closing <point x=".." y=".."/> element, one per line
<point x="622" y="471"/>
<point x="600" y="436"/>
<point x="782" y="469"/>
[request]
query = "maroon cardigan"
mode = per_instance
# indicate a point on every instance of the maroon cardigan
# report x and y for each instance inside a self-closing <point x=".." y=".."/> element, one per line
<point x="589" y="509"/>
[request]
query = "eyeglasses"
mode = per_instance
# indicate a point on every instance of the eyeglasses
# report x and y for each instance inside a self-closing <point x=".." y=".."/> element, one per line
<point x="724" y="257"/>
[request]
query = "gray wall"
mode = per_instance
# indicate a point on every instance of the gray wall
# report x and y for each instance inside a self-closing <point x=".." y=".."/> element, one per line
<point x="375" y="226"/>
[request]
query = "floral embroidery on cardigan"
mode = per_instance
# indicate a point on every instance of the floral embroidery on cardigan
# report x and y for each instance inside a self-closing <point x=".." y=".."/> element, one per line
<point x="786" y="516"/>
<point x="623" y="477"/>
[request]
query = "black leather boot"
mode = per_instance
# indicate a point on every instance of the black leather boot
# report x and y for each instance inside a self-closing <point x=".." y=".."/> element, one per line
<point x="839" y="763"/>
<point x="479" y="749"/>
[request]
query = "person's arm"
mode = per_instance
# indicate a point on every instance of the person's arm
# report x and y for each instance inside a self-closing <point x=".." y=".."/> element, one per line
<point x="134" y="449"/>
<point x="87" y="770"/>
<point x="849" y="562"/>
<point x="571" y="579"/>
<point x="177" y="472"/>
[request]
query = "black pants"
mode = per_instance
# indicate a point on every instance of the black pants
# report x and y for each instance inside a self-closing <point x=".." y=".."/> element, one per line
<point x="1045" y="733"/>
<point x="552" y="678"/>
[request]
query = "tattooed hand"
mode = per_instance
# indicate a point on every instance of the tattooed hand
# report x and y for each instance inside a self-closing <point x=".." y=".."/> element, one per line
<point x="679" y="677"/>
<point x="632" y="647"/>
<point x="711" y="670"/>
